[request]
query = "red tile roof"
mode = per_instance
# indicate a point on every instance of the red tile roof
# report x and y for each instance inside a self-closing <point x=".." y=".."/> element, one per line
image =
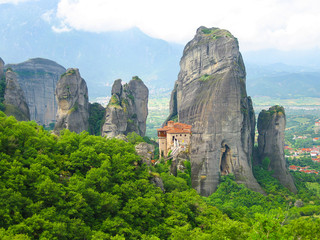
<point x="176" y="128"/>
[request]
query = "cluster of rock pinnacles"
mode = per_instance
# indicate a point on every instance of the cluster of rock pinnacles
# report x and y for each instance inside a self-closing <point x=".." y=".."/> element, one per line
<point x="210" y="94"/>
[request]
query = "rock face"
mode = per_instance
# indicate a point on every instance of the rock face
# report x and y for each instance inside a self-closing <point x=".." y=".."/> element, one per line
<point x="178" y="163"/>
<point x="38" y="78"/>
<point x="127" y="110"/>
<point x="1" y="68"/>
<point x="145" y="151"/>
<point x="210" y="94"/>
<point x="271" y="127"/>
<point x="73" y="104"/>
<point x="14" y="99"/>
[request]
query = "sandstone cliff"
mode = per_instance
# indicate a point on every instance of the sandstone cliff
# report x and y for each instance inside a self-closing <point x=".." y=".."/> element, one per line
<point x="271" y="127"/>
<point x="73" y="104"/>
<point x="14" y="99"/>
<point x="210" y="94"/>
<point x="127" y="110"/>
<point x="38" y="78"/>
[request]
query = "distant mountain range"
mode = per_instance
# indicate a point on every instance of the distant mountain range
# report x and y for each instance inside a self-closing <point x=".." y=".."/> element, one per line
<point x="103" y="57"/>
<point x="282" y="81"/>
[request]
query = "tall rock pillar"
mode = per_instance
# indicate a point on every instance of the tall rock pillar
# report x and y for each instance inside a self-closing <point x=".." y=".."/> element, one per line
<point x="127" y="110"/>
<point x="14" y="99"/>
<point x="73" y="104"/>
<point x="210" y="94"/>
<point x="1" y="68"/>
<point x="271" y="127"/>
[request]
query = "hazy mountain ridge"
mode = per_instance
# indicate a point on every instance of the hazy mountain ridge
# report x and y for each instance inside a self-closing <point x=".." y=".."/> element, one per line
<point x="103" y="57"/>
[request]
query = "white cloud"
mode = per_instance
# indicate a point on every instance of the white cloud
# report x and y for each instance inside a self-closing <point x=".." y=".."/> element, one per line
<point x="281" y="24"/>
<point x="48" y="15"/>
<point x="61" y="28"/>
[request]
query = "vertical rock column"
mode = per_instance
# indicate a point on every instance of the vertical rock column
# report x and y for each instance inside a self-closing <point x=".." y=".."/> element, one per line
<point x="271" y="128"/>
<point x="14" y="99"/>
<point x="210" y="94"/>
<point x="127" y="109"/>
<point x="73" y="104"/>
<point x="1" y="68"/>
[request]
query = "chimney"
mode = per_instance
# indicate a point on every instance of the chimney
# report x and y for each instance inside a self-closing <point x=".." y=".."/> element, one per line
<point x="170" y="124"/>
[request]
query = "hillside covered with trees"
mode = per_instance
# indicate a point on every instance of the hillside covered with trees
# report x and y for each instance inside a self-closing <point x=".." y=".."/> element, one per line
<point x="79" y="186"/>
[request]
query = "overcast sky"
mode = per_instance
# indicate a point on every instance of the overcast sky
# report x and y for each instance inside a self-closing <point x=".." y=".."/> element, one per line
<point x="258" y="24"/>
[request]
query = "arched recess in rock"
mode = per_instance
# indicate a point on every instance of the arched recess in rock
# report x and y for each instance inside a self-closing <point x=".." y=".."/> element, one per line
<point x="225" y="159"/>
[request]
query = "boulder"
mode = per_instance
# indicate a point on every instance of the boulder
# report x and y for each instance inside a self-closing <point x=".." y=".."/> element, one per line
<point x="157" y="181"/>
<point x="73" y="104"/>
<point x="145" y="151"/>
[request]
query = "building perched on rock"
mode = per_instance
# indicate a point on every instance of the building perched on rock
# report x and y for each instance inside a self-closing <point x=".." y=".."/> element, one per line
<point x="175" y="137"/>
<point x="210" y="94"/>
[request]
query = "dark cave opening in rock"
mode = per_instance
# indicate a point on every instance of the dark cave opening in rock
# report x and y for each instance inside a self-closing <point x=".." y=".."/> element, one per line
<point x="225" y="160"/>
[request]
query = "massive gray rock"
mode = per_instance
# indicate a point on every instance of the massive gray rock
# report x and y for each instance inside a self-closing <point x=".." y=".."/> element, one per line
<point x="1" y="68"/>
<point x="145" y="151"/>
<point x="14" y="99"/>
<point x="73" y="104"/>
<point x="127" y="110"/>
<point x="210" y="94"/>
<point x="38" y="78"/>
<point x="271" y="127"/>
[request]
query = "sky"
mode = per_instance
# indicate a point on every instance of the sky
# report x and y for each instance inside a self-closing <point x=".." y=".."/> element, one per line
<point x="258" y="24"/>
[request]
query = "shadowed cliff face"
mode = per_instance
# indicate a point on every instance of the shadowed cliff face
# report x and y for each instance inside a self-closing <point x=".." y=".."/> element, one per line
<point x="271" y="127"/>
<point x="14" y="99"/>
<point x="1" y="68"/>
<point x="210" y="94"/>
<point x="38" y="78"/>
<point x="73" y="104"/>
<point x="127" y="110"/>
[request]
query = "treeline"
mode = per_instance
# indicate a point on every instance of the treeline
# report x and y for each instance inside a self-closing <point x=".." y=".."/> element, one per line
<point x="79" y="186"/>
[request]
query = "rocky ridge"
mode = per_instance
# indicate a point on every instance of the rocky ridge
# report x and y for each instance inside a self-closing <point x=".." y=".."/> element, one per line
<point x="73" y="104"/>
<point x="14" y="98"/>
<point x="210" y="94"/>
<point x="127" y="110"/>
<point x="38" y="78"/>
<point x="271" y="128"/>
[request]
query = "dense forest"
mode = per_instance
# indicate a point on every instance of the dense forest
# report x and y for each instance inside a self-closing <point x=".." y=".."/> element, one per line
<point x="80" y="186"/>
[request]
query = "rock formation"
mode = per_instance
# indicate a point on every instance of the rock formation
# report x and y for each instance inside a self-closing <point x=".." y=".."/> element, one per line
<point x="14" y="99"/>
<point x="38" y="78"/>
<point x="127" y="110"/>
<point x="73" y="104"/>
<point x="1" y="68"/>
<point x="178" y="162"/>
<point x="210" y="94"/>
<point x="271" y="127"/>
<point x="145" y="151"/>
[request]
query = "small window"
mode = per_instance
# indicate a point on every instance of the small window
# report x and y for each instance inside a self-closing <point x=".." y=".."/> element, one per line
<point x="180" y="135"/>
<point x="185" y="135"/>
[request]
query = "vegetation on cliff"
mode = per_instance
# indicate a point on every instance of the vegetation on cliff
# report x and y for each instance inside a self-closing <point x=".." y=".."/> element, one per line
<point x="79" y="186"/>
<point x="96" y="118"/>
